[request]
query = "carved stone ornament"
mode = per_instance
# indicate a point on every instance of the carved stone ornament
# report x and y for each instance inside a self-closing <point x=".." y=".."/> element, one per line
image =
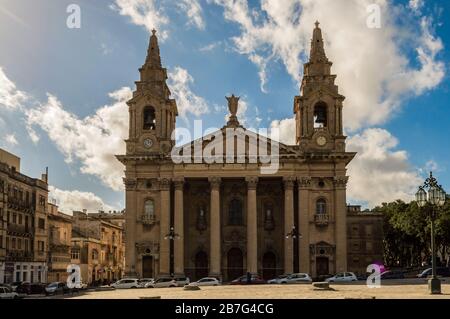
<point x="304" y="182"/>
<point x="340" y="181"/>
<point x="164" y="184"/>
<point x="130" y="183"/>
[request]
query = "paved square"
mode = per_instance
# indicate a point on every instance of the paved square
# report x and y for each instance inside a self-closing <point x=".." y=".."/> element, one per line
<point x="400" y="289"/>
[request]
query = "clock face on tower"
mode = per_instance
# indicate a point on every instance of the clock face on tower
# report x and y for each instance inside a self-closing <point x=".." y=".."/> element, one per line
<point x="148" y="143"/>
<point x="321" y="141"/>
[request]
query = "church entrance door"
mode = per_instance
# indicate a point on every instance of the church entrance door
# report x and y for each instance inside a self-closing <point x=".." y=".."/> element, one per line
<point x="147" y="267"/>
<point x="235" y="264"/>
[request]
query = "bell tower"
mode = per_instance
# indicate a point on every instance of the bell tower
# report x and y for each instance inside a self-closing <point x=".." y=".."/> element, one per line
<point x="318" y="109"/>
<point x="152" y="112"/>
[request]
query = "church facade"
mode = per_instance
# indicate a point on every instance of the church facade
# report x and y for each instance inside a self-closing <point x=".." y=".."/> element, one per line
<point x="227" y="217"/>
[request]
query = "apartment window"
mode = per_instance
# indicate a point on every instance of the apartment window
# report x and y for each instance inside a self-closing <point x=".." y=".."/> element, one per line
<point x="26" y="245"/>
<point x="7" y="242"/>
<point x="75" y="253"/>
<point x="14" y="218"/>
<point x="19" y="243"/>
<point x="8" y="217"/>
<point x="41" y="223"/>
<point x="20" y="219"/>
<point x="13" y="243"/>
<point x="42" y="200"/>
<point x="1" y="241"/>
<point x="27" y="197"/>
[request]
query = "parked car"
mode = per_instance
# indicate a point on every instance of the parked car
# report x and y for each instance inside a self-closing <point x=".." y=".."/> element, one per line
<point x="182" y="281"/>
<point x="277" y="280"/>
<point x="163" y="282"/>
<point x="255" y="280"/>
<point x="207" y="281"/>
<point x="56" y="288"/>
<point x="7" y="293"/>
<point x="16" y="284"/>
<point x="296" y="278"/>
<point x="126" y="283"/>
<point x="440" y="271"/>
<point x="144" y="281"/>
<point x="31" y="288"/>
<point x="392" y="274"/>
<point x="342" y="277"/>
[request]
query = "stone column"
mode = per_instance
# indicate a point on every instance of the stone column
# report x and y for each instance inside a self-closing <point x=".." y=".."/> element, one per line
<point x="304" y="184"/>
<point x="179" y="227"/>
<point x="164" y="227"/>
<point x="252" y="226"/>
<point x="340" y="185"/>
<point x="288" y="224"/>
<point x="130" y="226"/>
<point x="215" y="239"/>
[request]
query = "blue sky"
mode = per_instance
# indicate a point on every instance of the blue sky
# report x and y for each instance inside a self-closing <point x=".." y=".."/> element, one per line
<point x="395" y="79"/>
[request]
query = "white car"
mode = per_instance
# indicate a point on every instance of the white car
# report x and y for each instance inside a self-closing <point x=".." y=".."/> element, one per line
<point x="296" y="279"/>
<point x="208" y="281"/>
<point x="164" y="282"/>
<point x="6" y="293"/>
<point x="126" y="283"/>
<point x="144" y="282"/>
<point x="342" y="277"/>
<point x="277" y="280"/>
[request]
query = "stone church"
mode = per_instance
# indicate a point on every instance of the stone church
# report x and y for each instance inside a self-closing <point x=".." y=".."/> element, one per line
<point x="227" y="218"/>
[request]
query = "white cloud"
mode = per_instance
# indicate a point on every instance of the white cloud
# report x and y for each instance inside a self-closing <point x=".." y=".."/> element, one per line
<point x="146" y="13"/>
<point x="188" y="102"/>
<point x="93" y="140"/>
<point x="74" y="200"/>
<point x="210" y="47"/>
<point x="415" y="4"/>
<point x="10" y="96"/>
<point x="194" y="11"/>
<point x="380" y="173"/>
<point x="281" y="31"/>
<point x="287" y="130"/>
<point x="11" y="139"/>
<point x="151" y="14"/>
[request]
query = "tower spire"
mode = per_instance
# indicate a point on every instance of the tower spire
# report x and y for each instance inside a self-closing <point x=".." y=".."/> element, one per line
<point x="153" y="55"/>
<point x="317" y="53"/>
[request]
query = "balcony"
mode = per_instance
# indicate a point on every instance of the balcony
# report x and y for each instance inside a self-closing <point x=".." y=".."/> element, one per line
<point x="19" y="255"/>
<point x="19" y="229"/>
<point x="321" y="219"/>
<point x="20" y="205"/>
<point x="148" y="220"/>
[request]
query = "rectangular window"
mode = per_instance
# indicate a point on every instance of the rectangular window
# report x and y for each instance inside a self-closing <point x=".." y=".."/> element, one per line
<point x="26" y="245"/>
<point x="41" y="200"/>
<point x="19" y="243"/>
<point x="1" y="241"/>
<point x="20" y="219"/>
<point x="7" y="242"/>
<point x="41" y="223"/>
<point x="14" y="218"/>
<point x="75" y="253"/>
<point x="13" y="243"/>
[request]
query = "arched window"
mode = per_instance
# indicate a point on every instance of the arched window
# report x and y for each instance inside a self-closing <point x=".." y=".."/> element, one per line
<point x="149" y="118"/>
<point x="321" y="206"/>
<point x="320" y="115"/>
<point x="149" y="208"/>
<point x="94" y="254"/>
<point x="235" y="212"/>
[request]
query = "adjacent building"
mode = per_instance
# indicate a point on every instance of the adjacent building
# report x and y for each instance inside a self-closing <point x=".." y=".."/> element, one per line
<point x="59" y="241"/>
<point x="98" y="246"/>
<point x="24" y="225"/>
<point x="364" y="239"/>
<point x="226" y="217"/>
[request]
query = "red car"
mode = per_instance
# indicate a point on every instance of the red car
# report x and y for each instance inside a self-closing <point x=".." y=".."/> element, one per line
<point x="255" y="280"/>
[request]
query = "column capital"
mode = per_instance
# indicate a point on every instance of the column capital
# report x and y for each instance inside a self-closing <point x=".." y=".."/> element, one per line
<point x="214" y="182"/>
<point x="252" y="182"/>
<point x="130" y="183"/>
<point x="340" y="181"/>
<point x="304" y="181"/>
<point x="179" y="183"/>
<point x="288" y="182"/>
<point x="164" y="183"/>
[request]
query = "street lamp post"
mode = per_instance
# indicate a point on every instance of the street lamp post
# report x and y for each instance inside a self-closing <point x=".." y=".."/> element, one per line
<point x="294" y="235"/>
<point x="432" y="195"/>
<point x="171" y="236"/>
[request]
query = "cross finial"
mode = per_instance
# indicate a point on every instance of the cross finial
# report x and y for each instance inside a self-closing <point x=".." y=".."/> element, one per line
<point x="317" y="24"/>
